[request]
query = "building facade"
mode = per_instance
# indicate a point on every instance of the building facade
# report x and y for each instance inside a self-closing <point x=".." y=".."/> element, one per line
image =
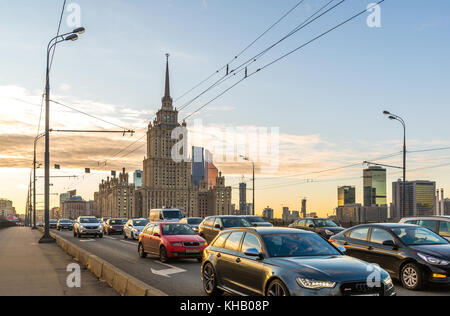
<point x="350" y="215"/>
<point x="138" y="176"/>
<point x="116" y="198"/>
<point x="268" y="213"/>
<point x="346" y="195"/>
<point x="73" y="208"/>
<point x="243" y="198"/>
<point x="420" y="199"/>
<point x="374" y="186"/>
<point x="6" y="208"/>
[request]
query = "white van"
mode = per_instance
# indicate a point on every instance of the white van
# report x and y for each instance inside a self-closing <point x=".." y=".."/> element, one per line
<point x="165" y="215"/>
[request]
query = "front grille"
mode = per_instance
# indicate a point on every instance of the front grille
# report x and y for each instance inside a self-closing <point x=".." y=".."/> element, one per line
<point x="94" y="227"/>
<point x="191" y="244"/>
<point x="360" y="288"/>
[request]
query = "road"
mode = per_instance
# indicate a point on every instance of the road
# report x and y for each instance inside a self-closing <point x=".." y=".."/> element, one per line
<point x="180" y="277"/>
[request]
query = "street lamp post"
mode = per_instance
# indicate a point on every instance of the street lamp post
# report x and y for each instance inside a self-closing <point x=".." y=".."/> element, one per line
<point x="253" y="180"/>
<point x="34" y="179"/>
<point x="402" y="121"/>
<point x="71" y="36"/>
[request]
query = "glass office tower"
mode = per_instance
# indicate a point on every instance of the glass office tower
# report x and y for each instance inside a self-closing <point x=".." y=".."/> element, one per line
<point x="346" y="195"/>
<point x="375" y="186"/>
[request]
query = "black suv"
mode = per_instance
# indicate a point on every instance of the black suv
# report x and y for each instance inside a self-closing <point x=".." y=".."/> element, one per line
<point x="322" y="226"/>
<point x="212" y="226"/>
<point x="64" y="224"/>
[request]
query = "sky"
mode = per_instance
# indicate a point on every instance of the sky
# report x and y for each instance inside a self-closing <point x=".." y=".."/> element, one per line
<point x="326" y="99"/>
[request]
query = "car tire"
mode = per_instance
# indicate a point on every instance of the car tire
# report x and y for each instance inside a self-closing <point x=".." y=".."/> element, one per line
<point x="141" y="251"/>
<point x="277" y="288"/>
<point x="412" y="277"/>
<point x="210" y="281"/>
<point x="74" y="234"/>
<point x="100" y="236"/>
<point x="163" y="254"/>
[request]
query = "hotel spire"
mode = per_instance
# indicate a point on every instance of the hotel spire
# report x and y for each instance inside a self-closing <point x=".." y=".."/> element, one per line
<point x="167" y="99"/>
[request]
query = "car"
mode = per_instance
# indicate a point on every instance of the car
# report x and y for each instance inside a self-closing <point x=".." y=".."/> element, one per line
<point x="194" y="222"/>
<point x="257" y="221"/>
<point x="87" y="226"/>
<point x="410" y="253"/>
<point x="53" y="223"/>
<point x="278" y="261"/>
<point x="213" y="225"/>
<point x="64" y="224"/>
<point x="438" y="224"/>
<point x="134" y="227"/>
<point x="165" y="215"/>
<point x="323" y="226"/>
<point x="170" y="240"/>
<point x="114" y="226"/>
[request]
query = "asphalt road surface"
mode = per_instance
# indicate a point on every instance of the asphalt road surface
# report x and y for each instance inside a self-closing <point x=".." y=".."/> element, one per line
<point x="180" y="277"/>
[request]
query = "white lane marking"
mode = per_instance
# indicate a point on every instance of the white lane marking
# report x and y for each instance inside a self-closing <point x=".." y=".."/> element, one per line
<point x="167" y="272"/>
<point x="112" y="238"/>
<point x="86" y="240"/>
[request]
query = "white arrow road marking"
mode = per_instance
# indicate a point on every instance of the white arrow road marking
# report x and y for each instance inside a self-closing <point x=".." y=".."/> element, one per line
<point x="168" y="272"/>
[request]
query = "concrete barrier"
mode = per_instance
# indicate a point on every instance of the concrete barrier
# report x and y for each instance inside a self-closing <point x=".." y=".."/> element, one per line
<point x="123" y="283"/>
<point x="95" y="265"/>
<point x="108" y="273"/>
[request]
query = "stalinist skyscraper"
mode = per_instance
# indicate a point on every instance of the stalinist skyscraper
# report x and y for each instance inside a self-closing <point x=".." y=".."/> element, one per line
<point x="166" y="183"/>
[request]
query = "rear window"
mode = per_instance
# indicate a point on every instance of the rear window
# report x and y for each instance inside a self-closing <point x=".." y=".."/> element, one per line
<point x="229" y="222"/>
<point x="220" y="241"/>
<point x="359" y="233"/>
<point x="430" y="224"/>
<point x="234" y="241"/>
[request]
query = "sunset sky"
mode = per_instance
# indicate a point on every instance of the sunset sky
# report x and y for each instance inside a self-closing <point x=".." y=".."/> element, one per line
<point x="326" y="100"/>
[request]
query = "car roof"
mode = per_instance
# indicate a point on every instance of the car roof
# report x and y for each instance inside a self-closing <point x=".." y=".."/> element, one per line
<point x="270" y="230"/>
<point x="385" y="225"/>
<point x="426" y="217"/>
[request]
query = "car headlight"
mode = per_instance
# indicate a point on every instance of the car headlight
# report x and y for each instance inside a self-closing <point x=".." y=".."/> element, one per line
<point x="203" y="244"/>
<point x="314" y="284"/>
<point x="433" y="260"/>
<point x="177" y="244"/>
<point x="388" y="282"/>
<point x="329" y="232"/>
<point x="81" y="227"/>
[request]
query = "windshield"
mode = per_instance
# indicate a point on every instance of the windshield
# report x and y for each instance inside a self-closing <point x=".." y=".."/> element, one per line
<point x="415" y="236"/>
<point x="88" y="220"/>
<point x="65" y="221"/>
<point x="53" y="221"/>
<point x="194" y="221"/>
<point x="324" y="223"/>
<point x="177" y="229"/>
<point x="175" y="214"/>
<point x="255" y="219"/>
<point x="229" y="222"/>
<point x="298" y="245"/>
<point x="140" y="222"/>
<point x="117" y="222"/>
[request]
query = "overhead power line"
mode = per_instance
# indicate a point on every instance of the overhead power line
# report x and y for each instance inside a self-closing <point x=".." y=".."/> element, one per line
<point x="286" y="55"/>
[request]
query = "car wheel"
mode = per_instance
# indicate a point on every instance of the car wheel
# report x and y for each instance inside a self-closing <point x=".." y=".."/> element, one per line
<point x="74" y="234"/>
<point x="163" y="254"/>
<point x="277" y="288"/>
<point x="142" y="253"/>
<point x="100" y="236"/>
<point x="210" y="281"/>
<point x="411" y="277"/>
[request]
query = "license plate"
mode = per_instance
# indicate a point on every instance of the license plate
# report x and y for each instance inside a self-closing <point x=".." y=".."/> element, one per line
<point x="193" y="251"/>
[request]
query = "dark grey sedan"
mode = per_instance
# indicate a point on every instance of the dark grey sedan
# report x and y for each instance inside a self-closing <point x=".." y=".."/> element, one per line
<point x="286" y="262"/>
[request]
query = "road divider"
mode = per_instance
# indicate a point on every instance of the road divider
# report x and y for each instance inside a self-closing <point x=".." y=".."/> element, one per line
<point x="122" y="282"/>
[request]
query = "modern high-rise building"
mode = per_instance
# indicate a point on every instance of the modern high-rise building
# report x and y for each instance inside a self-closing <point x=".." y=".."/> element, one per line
<point x="268" y="213"/>
<point x="242" y="198"/>
<point x="375" y="186"/>
<point x="138" y="176"/>
<point x="304" y="208"/>
<point x="346" y="195"/>
<point x="420" y="199"/>
<point x="198" y="165"/>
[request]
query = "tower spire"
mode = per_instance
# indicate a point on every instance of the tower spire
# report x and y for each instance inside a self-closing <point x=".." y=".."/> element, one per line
<point x="167" y="99"/>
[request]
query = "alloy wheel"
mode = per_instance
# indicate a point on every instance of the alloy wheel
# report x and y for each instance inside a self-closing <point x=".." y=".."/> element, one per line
<point x="276" y="289"/>
<point x="209" y="279"/>
<point x="410" y="277"/>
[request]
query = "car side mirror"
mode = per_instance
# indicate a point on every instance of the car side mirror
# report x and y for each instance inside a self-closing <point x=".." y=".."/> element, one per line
<point x="218" y="226"/>
<point x="311" y="226"/>
<point x="253" y="252"/>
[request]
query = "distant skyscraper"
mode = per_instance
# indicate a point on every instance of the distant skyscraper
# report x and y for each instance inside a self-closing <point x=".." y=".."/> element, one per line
<point x="198" y="165"/>
<point x="286" y="216"/>
<point x="268" y="213"/>
<point x="137" y="176"/>
<point x="375" y="186"/>
<point x="304" y="208"/>
<point x="346" y="195"/>
<point x="242" y="198"/>
<point x="420" y="199"/>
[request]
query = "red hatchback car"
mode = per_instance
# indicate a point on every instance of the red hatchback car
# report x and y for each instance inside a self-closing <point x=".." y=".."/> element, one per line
<point x="170" y="240"/>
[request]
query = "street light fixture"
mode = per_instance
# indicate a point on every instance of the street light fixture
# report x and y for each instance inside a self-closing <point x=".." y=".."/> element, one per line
<point x="402" y="121"/>
<point x="72" y="36"/>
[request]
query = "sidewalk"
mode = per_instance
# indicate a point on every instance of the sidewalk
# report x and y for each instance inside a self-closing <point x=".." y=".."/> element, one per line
<point x="30" y="268"/>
